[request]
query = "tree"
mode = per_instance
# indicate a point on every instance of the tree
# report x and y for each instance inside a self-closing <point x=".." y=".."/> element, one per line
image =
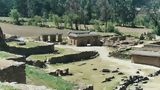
<point x="57" y="20"/>
<point x="73" y="11"/>
<point x="127" y="10"/>
<point x="104" y="11"/>
<point x="15" y="15"/>
<point x="154" y="14"/>
<point x="67" y="21"/>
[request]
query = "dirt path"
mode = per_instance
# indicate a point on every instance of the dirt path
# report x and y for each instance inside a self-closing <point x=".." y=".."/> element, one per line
<point x="104" y="55"/>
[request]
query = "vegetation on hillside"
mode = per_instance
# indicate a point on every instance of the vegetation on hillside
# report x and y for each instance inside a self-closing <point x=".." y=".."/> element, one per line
<point x="39" y="77"/>
<point x="72" y="13"/>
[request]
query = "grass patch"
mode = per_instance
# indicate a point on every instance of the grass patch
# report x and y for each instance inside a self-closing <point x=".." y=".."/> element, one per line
<point x="86" y="74"/>
<point x="28" y="44"/>
<point x="47" y="56"/>
<point x="39" y="77"/>
<point x="5" y="54"/>
<point x="41" y="57"/>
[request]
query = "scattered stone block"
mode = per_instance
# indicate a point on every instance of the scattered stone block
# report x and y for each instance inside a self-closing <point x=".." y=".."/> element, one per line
<point x="106" y="70"/>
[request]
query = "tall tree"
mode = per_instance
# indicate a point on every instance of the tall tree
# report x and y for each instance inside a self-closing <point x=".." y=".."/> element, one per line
<point x="73" y="8"/>
<point x="154" y="13"/>
<point x="15" y="15"/>
<point x="126" y="10"/>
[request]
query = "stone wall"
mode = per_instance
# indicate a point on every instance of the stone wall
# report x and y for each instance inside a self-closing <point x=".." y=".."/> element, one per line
<point x="13" y="73"/>
<point x="18" y="58"/>
<point x="74" y="57"/>
<point x="122" y="53"/>
<point x="33" y="50"/>
<point x="148" y="60"/>
<point x="83" y="41"/>
<point x="151" y="47"/>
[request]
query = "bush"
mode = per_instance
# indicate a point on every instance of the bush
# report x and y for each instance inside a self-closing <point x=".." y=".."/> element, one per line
<point x="156" y="31"/>
<point x="97" y="26"/>
<point x="36" y="20"/>
<point x="15" y="15"/>
<point x="109" y="27"/>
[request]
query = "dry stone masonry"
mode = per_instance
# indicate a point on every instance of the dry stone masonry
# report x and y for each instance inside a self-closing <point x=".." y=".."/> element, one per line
<point x="11" y="71"/>
<point x="74" y="57"/>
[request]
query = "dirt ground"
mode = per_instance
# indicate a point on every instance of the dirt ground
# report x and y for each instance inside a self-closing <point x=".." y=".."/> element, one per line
<point x="133" y="31"/>
<point x="29" y="31"/>
<point x="83" y="71"/>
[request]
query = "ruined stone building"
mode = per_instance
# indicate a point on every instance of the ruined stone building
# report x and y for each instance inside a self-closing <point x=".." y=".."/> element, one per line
<point x="83" y="38"/>
<point x="57" y="37"/>
<point x="11" y="71"/>
<point x="3" y="44"/>
<point x="149" y="55"/>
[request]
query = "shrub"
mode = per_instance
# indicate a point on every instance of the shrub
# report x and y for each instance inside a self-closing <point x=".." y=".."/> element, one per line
<point x="15" y="15"/>
<point x="109" y="27"/>
<point x="156" y="30"/>
<point x="97" y="26"/>
<point x="36" y="20"/>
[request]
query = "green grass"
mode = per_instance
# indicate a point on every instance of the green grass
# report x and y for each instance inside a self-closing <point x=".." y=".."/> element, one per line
<point x="5" y="54"/>
<point x="41" y="56"/>
<point x="28" y="44"/>
<point x="47" y="56"/>
<point x="39" y="77"/>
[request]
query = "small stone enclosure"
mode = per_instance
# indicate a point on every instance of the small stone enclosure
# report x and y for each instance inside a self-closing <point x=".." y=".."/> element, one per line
<point x="51" y="37"/>
<point x="83" y="38"/>
<point x="11" y="71"/>
<point x="149" y="55"/>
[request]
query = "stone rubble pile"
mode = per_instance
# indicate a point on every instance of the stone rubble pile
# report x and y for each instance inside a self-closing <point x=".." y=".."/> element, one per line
<point x="60" y="72"/>
<point x="125" y="82"/>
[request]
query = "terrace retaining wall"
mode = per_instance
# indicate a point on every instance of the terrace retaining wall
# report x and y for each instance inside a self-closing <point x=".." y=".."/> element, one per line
<point x="14" y="73"/>
<point x="74" y="57"/>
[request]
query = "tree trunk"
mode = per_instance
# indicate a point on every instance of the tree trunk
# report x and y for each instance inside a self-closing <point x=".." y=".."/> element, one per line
<point x="76" y="25"/>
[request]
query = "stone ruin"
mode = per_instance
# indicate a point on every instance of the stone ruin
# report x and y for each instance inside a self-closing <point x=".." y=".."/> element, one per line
<point x="11" y="71"/>
<point x="82" y="56"/>
<point x="128" y="81"/>
<point x="147" y="36"/>
<point x="60" y="72"/>
<point x="3" y="44"/>
<point x="149" y="54"/>
<point x="51" y="37"/>
<point x="84" y="87"/>
<point x="121" y="41"/>
<point x="122" y="53"/>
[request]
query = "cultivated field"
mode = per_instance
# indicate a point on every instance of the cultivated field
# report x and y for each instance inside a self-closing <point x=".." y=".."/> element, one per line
<point x="31" y="31"/>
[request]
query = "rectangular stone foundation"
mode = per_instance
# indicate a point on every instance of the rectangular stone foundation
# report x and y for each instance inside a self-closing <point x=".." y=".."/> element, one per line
<point x="11" y="71"/>
<point x="153" y="61"/>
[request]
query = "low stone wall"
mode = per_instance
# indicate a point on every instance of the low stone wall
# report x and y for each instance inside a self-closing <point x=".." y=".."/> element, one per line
<point x="148" y="60"/>
<point x="37" y="63"/>
<point x="19" y="58"/>
<point x="151" y="47"/>
<point x="121" y="53"/>
<point x="41" y="49"/>
<point x="13" y="73"/>
<point x="30" y="51"/>
<point x="74" y="57"/>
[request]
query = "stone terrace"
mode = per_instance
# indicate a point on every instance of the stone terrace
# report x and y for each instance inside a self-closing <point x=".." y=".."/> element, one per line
<point x="11" y="71"/>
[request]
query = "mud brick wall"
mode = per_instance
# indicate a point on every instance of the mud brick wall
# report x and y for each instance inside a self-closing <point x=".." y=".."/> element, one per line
<point x="74" y="57"/>
<point x="15" y="73"/>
